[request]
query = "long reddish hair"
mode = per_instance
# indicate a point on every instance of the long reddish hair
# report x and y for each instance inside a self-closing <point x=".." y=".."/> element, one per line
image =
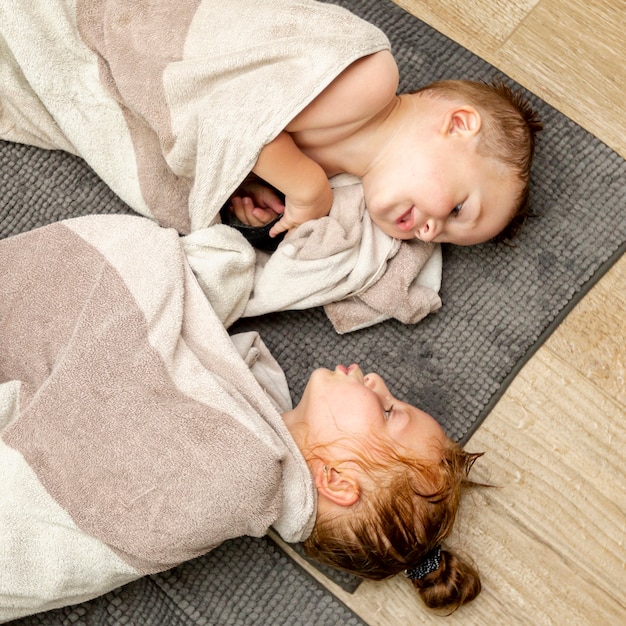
<point x="407" y="506"/>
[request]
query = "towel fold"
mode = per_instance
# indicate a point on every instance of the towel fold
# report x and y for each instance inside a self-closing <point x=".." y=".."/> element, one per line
<point x="346" y="264"/>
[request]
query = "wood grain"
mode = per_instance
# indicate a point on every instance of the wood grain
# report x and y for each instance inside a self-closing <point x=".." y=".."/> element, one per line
<point x="569" y="52"/>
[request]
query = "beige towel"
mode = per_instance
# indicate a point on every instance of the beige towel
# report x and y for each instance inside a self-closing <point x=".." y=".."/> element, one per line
<point x="134" y="434"/>
<point x="171" y="103"/>
<point x="347" y="264"/>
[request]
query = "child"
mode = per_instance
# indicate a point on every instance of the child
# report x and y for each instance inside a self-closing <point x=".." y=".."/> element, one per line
<point x="136" y="434"/>
<point x="448" y="163"/>
<point x="388" y="483"/>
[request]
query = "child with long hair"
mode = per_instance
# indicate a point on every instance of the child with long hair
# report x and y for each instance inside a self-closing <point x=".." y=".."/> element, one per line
<point x="388" y="482"/>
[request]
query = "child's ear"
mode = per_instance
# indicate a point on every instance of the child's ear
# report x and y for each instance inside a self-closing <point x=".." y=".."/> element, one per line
<point x="463" y="120"/>
<point x="338" y="486"/>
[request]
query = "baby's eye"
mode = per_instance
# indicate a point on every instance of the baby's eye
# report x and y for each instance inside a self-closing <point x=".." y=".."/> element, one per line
<point x="456" y="210"/>
<point x="388" y="412"/>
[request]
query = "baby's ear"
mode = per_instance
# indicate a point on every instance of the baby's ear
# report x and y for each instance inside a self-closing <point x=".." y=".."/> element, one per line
<point x="464" y="120"/>
<point x="337" y="485"/>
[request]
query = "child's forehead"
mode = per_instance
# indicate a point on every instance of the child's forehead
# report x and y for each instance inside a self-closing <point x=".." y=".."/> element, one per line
<point x="499" y="168"/>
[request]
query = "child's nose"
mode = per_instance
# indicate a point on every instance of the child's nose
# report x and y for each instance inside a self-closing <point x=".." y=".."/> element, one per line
<point x="429" y="230"/>
<point x="374" y="382"/>
<point x="371" y="381"/>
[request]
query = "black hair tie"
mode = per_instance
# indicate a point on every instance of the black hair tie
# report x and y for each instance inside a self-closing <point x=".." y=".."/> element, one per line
<point x="429" y="564"/>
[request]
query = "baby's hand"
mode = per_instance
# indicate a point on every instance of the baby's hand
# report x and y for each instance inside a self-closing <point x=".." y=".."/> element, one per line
<point x="298" y="213"/>
<point x="256" y="204"/>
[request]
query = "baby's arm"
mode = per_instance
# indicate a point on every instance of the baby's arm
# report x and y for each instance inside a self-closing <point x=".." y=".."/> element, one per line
<point x="307" y="191"/>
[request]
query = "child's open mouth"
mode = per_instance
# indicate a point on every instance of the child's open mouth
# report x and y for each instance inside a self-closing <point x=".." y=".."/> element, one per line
<point x="406" y="221"/>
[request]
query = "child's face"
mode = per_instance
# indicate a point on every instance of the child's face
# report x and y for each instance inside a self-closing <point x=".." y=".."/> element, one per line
<point x="346" y="403"/>
<point x="441" y="190"/>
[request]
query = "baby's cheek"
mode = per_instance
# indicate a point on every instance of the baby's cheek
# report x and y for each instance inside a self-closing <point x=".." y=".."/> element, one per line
<point x="387" y="226"/>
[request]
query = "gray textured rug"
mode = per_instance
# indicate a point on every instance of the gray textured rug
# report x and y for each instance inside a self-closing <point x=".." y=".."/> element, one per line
<point x="499" y="305"/>
<point x="247" y="582"/>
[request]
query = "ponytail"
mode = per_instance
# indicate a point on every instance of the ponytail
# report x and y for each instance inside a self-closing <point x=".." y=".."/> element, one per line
<point x="451" y="585"/>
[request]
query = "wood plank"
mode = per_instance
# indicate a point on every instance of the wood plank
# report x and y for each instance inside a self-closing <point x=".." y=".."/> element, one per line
<point x="478" y="25"/>
<point x="557" y="447"/>
<point x="571" y="53"/>
<point x="585" y="70"/>
<point x="593" y="337"/>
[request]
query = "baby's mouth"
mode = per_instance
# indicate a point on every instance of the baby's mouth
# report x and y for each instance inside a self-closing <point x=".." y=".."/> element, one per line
<point x="406" y="221"/>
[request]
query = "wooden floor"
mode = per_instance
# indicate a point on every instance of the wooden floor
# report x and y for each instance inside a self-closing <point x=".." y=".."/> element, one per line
<point x="550" y="543"/>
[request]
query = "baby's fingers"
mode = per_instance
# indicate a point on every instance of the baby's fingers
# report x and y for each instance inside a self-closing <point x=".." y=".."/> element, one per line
<point x="265" y="216"/>
<point x="247" y="213"/>
<point x="283" y="225"/>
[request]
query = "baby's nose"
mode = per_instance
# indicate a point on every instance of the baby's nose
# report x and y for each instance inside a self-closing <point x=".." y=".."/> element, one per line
<point x="429" y="230"/>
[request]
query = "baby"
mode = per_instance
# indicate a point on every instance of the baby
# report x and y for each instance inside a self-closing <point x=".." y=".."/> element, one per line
<point x="295" y="92"/>
<point x="449" y="163"/>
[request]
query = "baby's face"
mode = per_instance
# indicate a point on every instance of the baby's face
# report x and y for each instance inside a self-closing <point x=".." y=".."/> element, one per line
<point x="447" y="194"/>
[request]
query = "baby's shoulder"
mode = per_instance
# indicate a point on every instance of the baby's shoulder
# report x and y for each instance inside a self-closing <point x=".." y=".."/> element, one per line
<point x="362" y="90"/>
<point x="375" y="72"/>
